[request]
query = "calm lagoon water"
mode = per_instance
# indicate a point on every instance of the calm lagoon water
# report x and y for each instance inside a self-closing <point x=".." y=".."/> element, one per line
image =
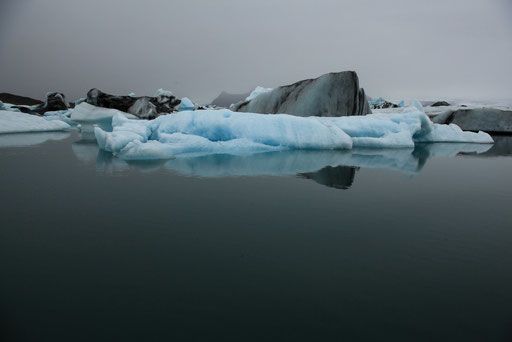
<point x="328" y="246"/>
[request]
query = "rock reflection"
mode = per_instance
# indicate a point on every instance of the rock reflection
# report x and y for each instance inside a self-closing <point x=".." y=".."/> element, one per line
<point x="502" y="147"/>
<point x="339" y="177"/>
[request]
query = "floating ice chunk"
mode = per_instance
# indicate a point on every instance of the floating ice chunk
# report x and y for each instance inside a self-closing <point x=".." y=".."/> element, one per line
<point x="124" y="132"/>
<point x="257" y="91"/>
<point x="186" y="104"/>
<point x="281" y="130"/>
<point x="132" y="95"/>
<point x="379" y="131"/>
<point x="453" y="133"/>
<point x="402" y="130"/>
<point x="222" y="131"/>
<point x="87" y="112"/>
<point x="17" y="122"/>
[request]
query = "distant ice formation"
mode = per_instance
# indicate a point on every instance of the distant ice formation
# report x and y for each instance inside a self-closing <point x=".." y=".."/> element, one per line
<point x="186" y="104"/>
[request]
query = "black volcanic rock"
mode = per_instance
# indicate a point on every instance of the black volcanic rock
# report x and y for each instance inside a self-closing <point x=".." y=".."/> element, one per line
<point x="226" y="99"/>
<point x="19" y="100"/>
<point x="144" y="107"/>
<point x="54" y="101"/>
<point x="333" y="94"/>
<point x="439" y="104"/>
<point x="384" y="105"/>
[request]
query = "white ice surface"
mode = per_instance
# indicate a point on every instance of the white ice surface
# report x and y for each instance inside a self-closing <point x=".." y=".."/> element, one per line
<point x="217" y="131"/>
<point x="86" y="112"/>
<point x="192" y="133"/>
<point x="17" y="122"/>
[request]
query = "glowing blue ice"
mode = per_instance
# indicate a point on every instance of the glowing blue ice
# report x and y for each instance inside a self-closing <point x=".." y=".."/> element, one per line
<point x="222" y="131"/>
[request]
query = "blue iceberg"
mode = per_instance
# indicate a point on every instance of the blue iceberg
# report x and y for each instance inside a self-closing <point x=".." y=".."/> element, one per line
<point x="202" y="132"/>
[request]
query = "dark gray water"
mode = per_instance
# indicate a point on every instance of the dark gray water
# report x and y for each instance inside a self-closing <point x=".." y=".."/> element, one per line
<point x="390" y="246"/>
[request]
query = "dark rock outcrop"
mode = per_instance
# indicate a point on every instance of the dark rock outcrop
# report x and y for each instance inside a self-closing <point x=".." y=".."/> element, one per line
<point x="439" y="104"/>
<point x="144" y="107"/>
<point x="333" y="94"/>
<point x="54" y="101"/>
<point x="489" y="120"/>
<point x="19" y="100"/>
<point x="226" y="99"/>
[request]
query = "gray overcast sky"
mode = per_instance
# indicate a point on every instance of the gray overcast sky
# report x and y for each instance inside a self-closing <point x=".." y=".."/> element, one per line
<point x="400" y="48"/>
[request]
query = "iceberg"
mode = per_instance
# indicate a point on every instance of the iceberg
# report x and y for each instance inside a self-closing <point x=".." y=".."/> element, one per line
<point x="217" y="131"/>
<point x="18" y="122"/>
<point x="203" y="132"/>
<point x="330" y="95"/>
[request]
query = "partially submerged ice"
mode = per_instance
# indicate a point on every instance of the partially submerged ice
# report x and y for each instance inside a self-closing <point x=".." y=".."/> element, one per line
<point x="203" y="132"/>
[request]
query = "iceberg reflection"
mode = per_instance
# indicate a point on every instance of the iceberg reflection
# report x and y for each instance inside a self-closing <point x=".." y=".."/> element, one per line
<point x="335" y="169"/>
<point x="30" y="139"/>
